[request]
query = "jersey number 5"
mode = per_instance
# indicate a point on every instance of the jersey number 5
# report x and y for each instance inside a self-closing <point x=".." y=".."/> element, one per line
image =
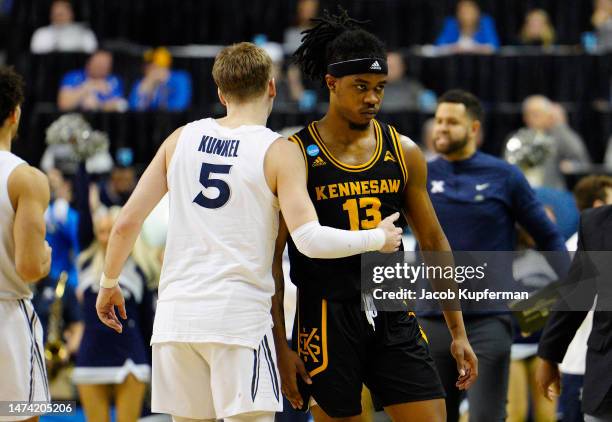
<point x="371" y="205"/>
<point x="208" y="182"/>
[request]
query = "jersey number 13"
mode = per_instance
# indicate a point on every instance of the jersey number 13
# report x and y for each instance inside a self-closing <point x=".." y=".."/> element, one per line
<point x="371" y="206"/>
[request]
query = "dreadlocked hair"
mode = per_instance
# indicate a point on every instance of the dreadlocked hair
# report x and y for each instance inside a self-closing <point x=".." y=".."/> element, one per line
<point x="335" y="38"/>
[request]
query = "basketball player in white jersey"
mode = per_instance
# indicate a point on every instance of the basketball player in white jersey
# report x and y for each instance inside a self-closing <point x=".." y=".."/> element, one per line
<point x="213" y="351"/>
<point x="25" y="257"/>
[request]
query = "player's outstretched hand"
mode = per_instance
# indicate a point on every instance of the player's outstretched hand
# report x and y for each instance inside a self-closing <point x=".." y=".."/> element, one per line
<point x="290" y="364"/>
<point x="393" y="235"/>
<point x="105" y="307"/>
<point x="467" y="363"/>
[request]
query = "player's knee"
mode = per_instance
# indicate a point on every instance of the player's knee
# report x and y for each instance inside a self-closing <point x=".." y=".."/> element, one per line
<point x="251" y="417"/>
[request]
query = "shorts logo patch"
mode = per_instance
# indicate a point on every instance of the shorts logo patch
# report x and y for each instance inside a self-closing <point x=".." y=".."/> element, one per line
<point x="312" y="337"/>
<point x="312" y="150"/>
<point x="310" y="345"/>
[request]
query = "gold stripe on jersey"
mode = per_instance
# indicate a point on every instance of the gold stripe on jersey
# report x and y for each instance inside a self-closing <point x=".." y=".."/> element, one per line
<point x="397" y="145"/>
<point x="312" y="128"/>
<point x="296" y="140"/>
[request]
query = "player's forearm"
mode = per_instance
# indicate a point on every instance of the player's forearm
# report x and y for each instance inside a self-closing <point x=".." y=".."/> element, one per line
<point x="437" y="253"/>
<point x="316" y="241"/>
<point x="454" y="322"/>
<point x="34" y="268"/>
<point x="278" y="319"/>
<point x="120" y="244"/>
<point x="32" y="259"/>
<point x="278" y="308"/>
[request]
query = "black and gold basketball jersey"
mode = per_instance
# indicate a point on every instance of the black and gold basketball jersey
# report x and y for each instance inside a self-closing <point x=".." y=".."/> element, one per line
<point x="347" y="197"/>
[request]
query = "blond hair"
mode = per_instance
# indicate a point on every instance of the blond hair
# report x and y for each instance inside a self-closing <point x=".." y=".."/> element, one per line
<point x="242" y="71"/>
<point x="547" y="37"/>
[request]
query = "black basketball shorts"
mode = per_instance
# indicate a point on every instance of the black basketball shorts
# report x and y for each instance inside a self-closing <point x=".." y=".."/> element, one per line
<point x="342" y="351"/>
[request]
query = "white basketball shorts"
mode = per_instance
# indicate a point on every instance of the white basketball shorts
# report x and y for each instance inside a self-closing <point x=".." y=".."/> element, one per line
<point x="22" y="364"/>
<point x="215" y="381"/>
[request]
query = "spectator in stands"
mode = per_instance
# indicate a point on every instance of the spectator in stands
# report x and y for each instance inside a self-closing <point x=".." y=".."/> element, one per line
<point x="161" y="88"/>
<point x="291" y="94"/>
<point x="602" y="23"/>
<point x="306" y="10"/>
<point x="62" y="223"/>
<point x="537" y="29"/>
<point x="547" y="144"/>
<point x="64" y="34"/>
<point x="470" y="31"/>
<point x="403" y="93"/>
<point x="118" y="188"/>
<point x="94" y="88"/>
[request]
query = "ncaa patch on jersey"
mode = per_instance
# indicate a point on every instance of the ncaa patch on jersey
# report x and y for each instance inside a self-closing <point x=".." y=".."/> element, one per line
<point x="312" y="150"/>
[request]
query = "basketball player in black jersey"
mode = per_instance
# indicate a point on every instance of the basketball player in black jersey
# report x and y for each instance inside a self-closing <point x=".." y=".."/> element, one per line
<point x="359" y="171"/>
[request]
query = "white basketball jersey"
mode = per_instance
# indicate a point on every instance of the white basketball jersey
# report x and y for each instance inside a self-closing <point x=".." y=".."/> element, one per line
<point x="11" y="285"/>
<point x="216" y="283"/>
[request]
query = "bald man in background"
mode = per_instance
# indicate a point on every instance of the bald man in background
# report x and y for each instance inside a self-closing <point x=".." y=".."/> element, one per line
<point x="567" y="150"/>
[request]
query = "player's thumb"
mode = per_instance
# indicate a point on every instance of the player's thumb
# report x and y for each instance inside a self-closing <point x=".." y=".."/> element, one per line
<point x="303" y="372"/>
<point x="459" y="357"/>
<point x="393" y="217"/>
<point x="556" y="387"/>
<point x="122" y="311"/>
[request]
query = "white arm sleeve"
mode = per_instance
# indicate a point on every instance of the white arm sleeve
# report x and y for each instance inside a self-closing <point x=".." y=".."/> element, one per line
<point x="316" y="241"/>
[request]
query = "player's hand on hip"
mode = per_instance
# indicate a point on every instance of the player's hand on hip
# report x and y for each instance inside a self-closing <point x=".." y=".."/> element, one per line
<point x="105" y="307"/>
<point x="467" y="363"/>
<point x="289" y="365"/>
<point x="393" y="234"/>
<point x="548" y="378"/>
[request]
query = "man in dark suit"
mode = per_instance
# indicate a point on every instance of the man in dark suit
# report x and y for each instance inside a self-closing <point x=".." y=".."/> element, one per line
<point x="589" y="275"/>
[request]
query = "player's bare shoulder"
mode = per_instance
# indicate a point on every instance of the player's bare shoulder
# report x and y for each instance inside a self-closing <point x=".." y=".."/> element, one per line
<point x="169" y="145"/>
<point x="408" y="145"/>
<point x="415" y="161"/>
<point x="28" y="181"/>
<point x="283" y="158"/>
<point x="283" y="152"/>
<point x="412" y="152"/>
